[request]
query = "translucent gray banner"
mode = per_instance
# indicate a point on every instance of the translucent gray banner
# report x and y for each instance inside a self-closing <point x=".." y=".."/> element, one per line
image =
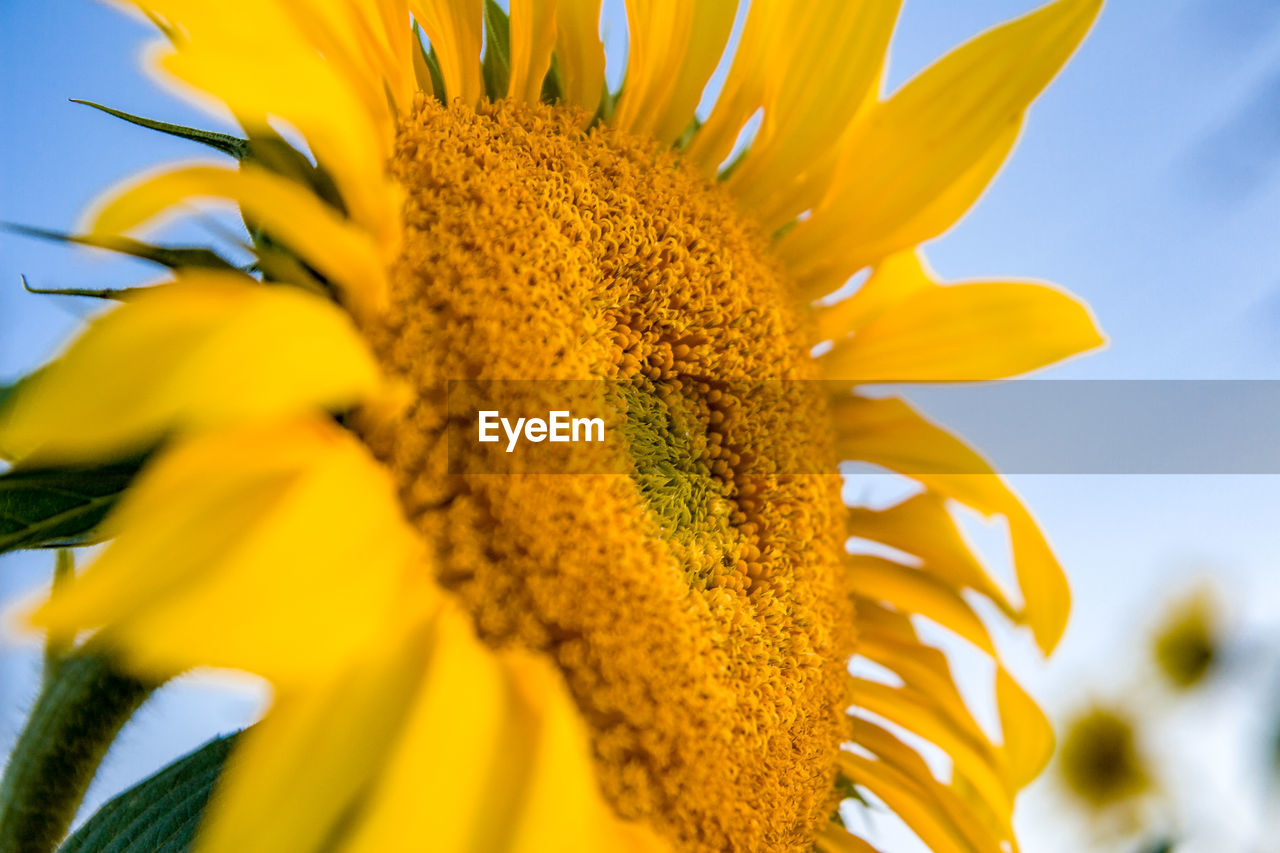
<point x="1020" y="426"/>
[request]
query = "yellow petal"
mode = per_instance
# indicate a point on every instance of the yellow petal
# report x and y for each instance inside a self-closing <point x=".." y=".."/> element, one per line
<point x="893" y="280"/>
<point x="941" y="130"/>
<point x="887" y="432"/>
<point x="834" y="839"/>
<point x="456" y="31"/>
<point x="560" y="805"/>
<point x="367" y="42"/>
<point x="580" y="53"/>
<point x="923" y="527"/>
<point x="493" y="758"/>
<point x="924" y="669"/>
<point x="907" y="799"/>
<point x="888" y="748"/>
<point x="744" y="87"/>
<point x="962" y="332"/>
<point x="915" y="591"/>
<point x="210" y="349"/>
<point x="533" y="37"/>
<point x="934" y="217"/>
<point x="338" y="101"/>
<point x="674" y="48"/>
<point x="823" y="67"/>
<point x="344" y="253"/>
<point x="293" y="776"/>
<point x="974" y="758"/>
<point x="276" y="549"/>
<point x="1028" y="735"/>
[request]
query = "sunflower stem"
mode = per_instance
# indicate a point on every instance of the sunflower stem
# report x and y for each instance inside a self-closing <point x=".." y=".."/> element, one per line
<point x="82" y="706"/>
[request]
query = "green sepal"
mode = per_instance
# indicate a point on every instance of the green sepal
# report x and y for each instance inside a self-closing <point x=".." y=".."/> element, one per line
<point x="118" y="294"/>
<point x="691" y="130"/>
<point x="161" y="813"/>
<point x="269" y="149"/>
<point x="608" y="103"/>
<point x="58" y="507"/>
<point x="264" y="147"/>
<point x="433" y="65"/>
<point x="226" y="143"/>
<point x="737" y="161"/>
<point x="171" y="257"/>
<point x="552" y="87"/>
<point x="496" y="66"/>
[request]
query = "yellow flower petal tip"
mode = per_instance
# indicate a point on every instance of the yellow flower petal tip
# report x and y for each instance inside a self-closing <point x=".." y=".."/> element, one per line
<point x="904" y="326"/>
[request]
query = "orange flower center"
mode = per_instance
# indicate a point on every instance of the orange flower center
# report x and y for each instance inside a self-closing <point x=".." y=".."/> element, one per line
<point x="692" y="597"/>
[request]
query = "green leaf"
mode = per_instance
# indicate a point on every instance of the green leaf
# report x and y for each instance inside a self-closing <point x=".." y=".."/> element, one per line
<point x="496" y="66"/>
<point x="173" y="258"/>
<point x="159" y="814"/>
<point x="227" y="144"/>
<point x="48" y="508"/>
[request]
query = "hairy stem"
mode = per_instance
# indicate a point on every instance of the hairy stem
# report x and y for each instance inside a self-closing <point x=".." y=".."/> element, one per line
<point x="81" y="708"/>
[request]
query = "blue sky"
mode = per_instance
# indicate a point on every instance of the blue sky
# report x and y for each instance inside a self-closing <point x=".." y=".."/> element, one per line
<point x="1147" y="181"/>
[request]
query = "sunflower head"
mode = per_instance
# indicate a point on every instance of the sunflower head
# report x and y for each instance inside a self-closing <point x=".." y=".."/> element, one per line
<point x="1188" y="644"/>
<point x="1100" y="760"/>
<point x="645" y="645"/>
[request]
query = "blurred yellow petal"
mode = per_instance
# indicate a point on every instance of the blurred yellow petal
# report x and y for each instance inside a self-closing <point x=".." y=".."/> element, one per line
<point x="674" y="47"/>
<point x="294" y="775"/>
<point x="456" y="31"/>
<point x="969" y="331"/>
<point x="367" y="41"/>
<point x="1028" y="735"/>
<point x="457" y="740"/>
<point x="888" y="433"/>
<point x="277" y="549"/>
<point x="292" y="214"/>
<point x="580" y="53"/>
<point x="490" y="734"/>
<point x="342" y="112"/>
<point x="210" y="349"/>
<point x="916" y="591"/>
<point x="533" y="37"/>
<point x="943" y="129"/>
<point x="822" y="67"/>
<point x="560" y="805"/>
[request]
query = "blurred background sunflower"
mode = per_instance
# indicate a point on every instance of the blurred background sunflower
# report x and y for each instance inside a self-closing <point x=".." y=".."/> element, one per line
<point x="1066" y="241"/>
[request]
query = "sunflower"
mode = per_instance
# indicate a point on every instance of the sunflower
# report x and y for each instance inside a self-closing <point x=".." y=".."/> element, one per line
<point x="657" y="659"/>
